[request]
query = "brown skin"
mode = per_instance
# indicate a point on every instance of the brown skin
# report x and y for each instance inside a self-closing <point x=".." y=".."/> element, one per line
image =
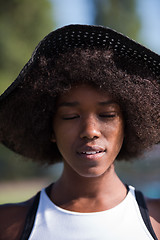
<point x="92" y="121"/>
<point x="12" y="219"/>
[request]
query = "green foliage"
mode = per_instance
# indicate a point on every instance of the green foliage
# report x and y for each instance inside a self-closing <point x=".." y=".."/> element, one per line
<point x="13" y="166"/>
<point x="120" y="15"/>
<point x="23" y="24"/>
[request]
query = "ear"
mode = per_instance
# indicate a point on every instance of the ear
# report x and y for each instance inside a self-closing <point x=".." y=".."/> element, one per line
<point x="53" y="138"/>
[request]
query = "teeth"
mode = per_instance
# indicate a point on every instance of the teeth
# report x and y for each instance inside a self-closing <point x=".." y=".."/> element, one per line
<point x="94" y="152"/>
<point x="91" y="152"/>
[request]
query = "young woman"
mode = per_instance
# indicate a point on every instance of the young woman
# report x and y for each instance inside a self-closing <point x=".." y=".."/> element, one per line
<point x="88" y="96"/>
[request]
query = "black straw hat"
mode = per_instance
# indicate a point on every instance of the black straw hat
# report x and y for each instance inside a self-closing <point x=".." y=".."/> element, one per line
<point x="86" y="36"/>
<point x="128" y="55"/>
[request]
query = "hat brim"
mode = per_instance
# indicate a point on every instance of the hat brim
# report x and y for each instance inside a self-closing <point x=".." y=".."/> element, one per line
<point x="129" y="55"/>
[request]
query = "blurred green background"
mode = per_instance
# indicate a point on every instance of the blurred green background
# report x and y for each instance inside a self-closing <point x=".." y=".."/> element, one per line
<point x="23" y="23"/>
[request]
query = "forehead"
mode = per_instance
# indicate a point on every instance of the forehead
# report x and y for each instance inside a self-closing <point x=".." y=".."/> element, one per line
<point x="85" y="92"/>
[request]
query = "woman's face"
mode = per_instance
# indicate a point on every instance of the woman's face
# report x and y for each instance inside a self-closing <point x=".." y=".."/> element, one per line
<point x="88" y="130"/>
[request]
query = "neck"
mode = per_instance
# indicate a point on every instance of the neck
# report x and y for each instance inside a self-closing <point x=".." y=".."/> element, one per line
<point x="102" y="190"/>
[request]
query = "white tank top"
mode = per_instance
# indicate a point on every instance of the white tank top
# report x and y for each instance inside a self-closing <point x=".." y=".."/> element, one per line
<point x="123" y="222"/>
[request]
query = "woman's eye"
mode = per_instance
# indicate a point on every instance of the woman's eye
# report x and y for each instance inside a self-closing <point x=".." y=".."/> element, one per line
<point x="108" y="115"/>
<point x="70" y="117"/>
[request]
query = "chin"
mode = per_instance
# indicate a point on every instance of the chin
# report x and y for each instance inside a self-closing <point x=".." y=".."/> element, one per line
<point x="93" y="173"/>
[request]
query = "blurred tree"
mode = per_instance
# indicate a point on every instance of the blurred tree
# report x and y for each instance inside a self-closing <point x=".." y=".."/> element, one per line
<point x="23" y="24"/>
<point x="13" y="166"/>
<point x="120" y="15"/>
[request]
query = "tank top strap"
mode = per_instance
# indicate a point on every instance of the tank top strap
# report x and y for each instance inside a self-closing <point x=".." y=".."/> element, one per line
<point x="144" y="212"/>
<point x="32" y="215"/>
<point x="30" y="218"/>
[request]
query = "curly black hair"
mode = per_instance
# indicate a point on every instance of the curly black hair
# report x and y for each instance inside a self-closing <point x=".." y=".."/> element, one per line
<point x="30" y="116"/>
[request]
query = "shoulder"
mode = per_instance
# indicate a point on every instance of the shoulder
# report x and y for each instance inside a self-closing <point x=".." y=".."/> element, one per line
<point x="12" y="219"/>
<point x="153" y="206"/>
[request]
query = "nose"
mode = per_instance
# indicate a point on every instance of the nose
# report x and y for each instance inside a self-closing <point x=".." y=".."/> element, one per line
<point x="90" y="128"/>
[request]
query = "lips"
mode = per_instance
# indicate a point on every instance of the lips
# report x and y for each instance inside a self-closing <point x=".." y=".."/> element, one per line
<point x="91" y="152"/>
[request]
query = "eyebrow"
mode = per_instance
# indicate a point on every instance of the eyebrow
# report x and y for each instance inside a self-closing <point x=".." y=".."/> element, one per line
<point x="74" y="104"/>
<point x="68" y="104"/>
<point x="105" y="103"/>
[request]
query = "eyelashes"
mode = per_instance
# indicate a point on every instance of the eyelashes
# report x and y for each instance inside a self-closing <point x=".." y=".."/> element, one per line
<point x="70" y="118"/>
<point x="103" y="115"/>
<point x="108" y="115"/>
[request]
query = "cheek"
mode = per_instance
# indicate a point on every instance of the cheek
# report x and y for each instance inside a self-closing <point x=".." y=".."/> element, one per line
<point x="116" y="136"/>
<point x="64" y="137"/>
<point x="61" y="142"/>
<point x="120" y="138"/>
<point x="63" y="132"/>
